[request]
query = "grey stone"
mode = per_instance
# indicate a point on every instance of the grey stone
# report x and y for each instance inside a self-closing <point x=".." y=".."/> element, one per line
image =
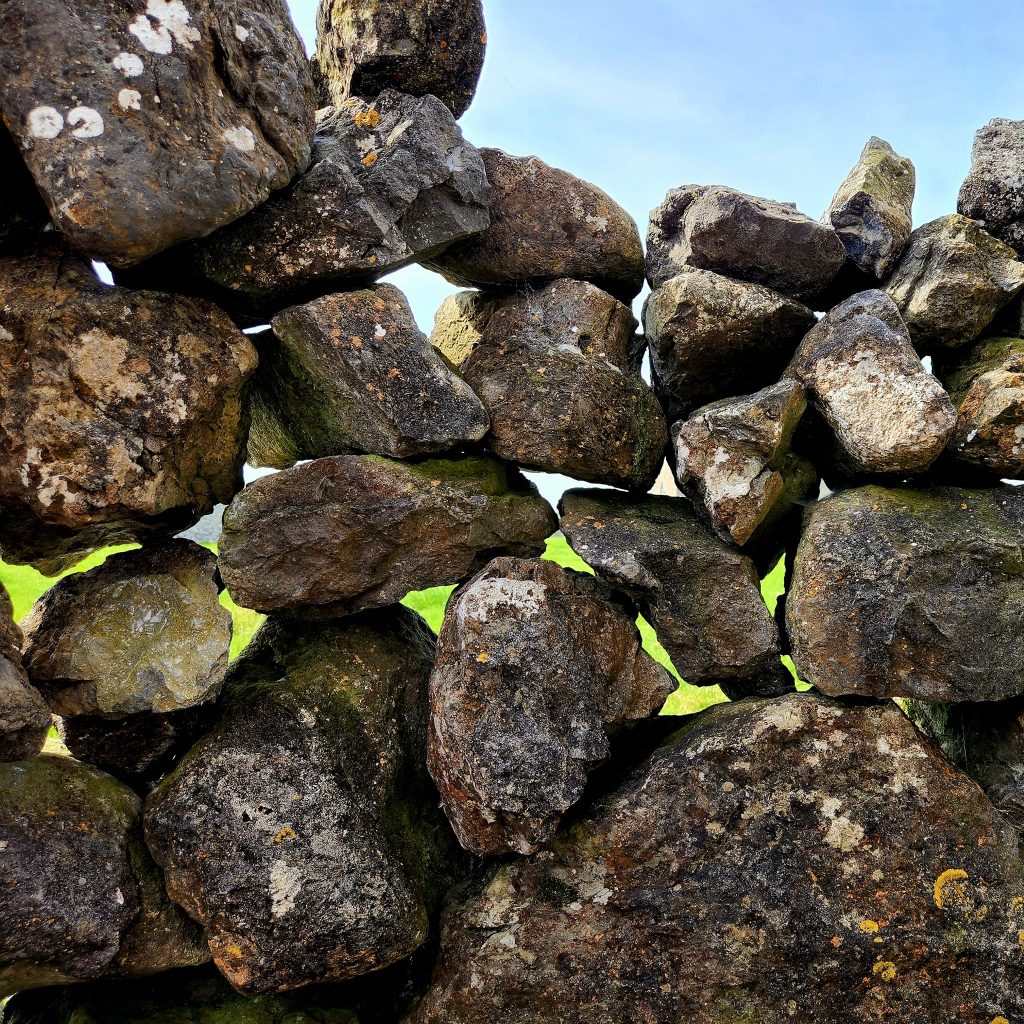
<point x="991" y="192"/>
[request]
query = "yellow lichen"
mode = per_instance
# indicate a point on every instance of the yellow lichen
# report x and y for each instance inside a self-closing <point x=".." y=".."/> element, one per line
<point x="483" y="657"/>
<point x="369" y="160"/>
<point x="286" y="833"/>
<point x="869" y="927"/>
<point x="949" y="879"/>
<point x="367" y="118"/>
<point x="1000" y="1020"/>
<point x="884" y="969"/>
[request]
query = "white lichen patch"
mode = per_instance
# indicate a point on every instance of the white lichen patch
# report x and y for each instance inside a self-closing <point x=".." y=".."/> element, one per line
<point x="45" y="122"/>
<point x="86" y="122"/>
<point x="5" y="335"/>
<point x="241" y="138"/>
<point x="482" y="599"/>
<point x="165" y="23"/>
<point x="130" y="99"/>
<point x="285" y="886"/>
<point x="129" y="64"/>
<point x="241" y="33"/>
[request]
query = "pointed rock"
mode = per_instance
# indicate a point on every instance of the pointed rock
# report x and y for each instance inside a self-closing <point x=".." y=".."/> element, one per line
<point x="991" y="192"/>
<point x="24" y="716"/>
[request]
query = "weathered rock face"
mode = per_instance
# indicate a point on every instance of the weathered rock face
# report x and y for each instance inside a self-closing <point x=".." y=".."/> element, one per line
<point x="871" y="209"/>
<point x="79" y="896"/>
<point x="148" y="124"/>
<point x="535" y="666"/>
<point x="887" y="414"/>
<point x="435" y="47"/>
<point x="119" y="411"/>
<point x="24" y="716"/>
<point x="303" y="831"/>
<point x="546" y="224"/>
<point x="22" y="212"/>
<point x="460" y="321"/>
<point x="348" y="533"/>
<point x="991" y="191"/>
<point x="900" y="593"/>
<point x="711" y="338"/>
<point x="352" y="373"/>
<point x="745" y="237"/>
<point x="951" y="281"/>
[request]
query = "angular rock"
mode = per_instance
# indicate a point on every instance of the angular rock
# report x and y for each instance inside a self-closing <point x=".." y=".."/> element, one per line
<point x="752" y="239"/>
<point x="546" y="224"/>
<point x="871" y="209"/>
<point x="120" y="411"/>
<point x="536" y="665"/>
<point x="460" y="321"/>
<point x="434" y="47"/>
<point x="888" y="415"/>
<point x="24" y="716"/>
<point x="711" y="337"/>
<point x="952" y="280"/>
<point x="991" y="192"/>
<point x="148" y="125"/>
<point x="900" y="593"/>
<point x="79" y="896"/>
<point x="142" y="632"/>
<point x="785" y="880"/>
<point x="303" y="831"/>
<point x="22" y="212"/>
<point x="352" y="373"/>
<point x="345" y="534"/>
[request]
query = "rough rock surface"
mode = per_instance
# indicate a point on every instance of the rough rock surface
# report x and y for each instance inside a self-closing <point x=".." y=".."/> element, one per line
<point x="435" y="47"/>
<point x="24" y="716"/>
<point x="536" y="664"/>
<point x="119" y="410"/>
<point x="344" y="534"/>
<point x="546" y="224"/>
<point x="145" y="124"/>
<point x="352" y="373"/>
<point x="871" y="209"/>
<point x="888" y="415"/>
<point x="303" y="831"/>
<point x="952" y="280"/>
<point x="991" y="192"/>
<point x="745" y="237"/>
<point x="711" y="337"/>
<point x="900" y="593"/>
<point x="460" y="321"/>
<point x="22" y="212"/>
<point x="79" y="896"/>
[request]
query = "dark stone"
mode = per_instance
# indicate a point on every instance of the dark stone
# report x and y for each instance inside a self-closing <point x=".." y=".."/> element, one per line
<point x="24" y="716"/>
<point x="991" y="192"/>
<point x="22" y="211"/>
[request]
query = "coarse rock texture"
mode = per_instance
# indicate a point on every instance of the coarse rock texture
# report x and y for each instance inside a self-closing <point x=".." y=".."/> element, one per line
<point x="871" y="209"/>
<point x="717" y="228"/>
<point x="887" y="414"/>
<point x="24" y="716"/>
<point x="435" y="47"/>
<point x="352" y="373"/>
<point x="143" y="631"/>
<point x="900" y="593"/>
<point x="22" y="211"/>
<point x="120" y="411"/>
<point x="991" y="192"/>
<point x="702" y="597"/>
<point x="711" y="337"/>
<point x="953" y="278"/>
<point x="79" y="896"/>
<point x="303" y="831"/>
<point x="732" y="460"/>
<point x="460" y="321"/>
<point x="146" y="124"/>
<point x="536" y="664"/>
<point x="546" y="224"/>
<point x="787" y="880"/>
<point x="340" y="535"/>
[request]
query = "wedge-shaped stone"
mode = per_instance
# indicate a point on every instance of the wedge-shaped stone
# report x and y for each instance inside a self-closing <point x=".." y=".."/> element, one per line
<point x="24" y="716"/>
<point x="991" y="192"/>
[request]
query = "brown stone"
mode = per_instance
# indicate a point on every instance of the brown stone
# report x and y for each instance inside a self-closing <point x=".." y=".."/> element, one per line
<point x="24" y="716"/>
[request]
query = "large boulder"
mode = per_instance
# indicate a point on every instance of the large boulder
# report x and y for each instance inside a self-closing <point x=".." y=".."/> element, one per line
<point x="991" y="192"/>
<point x="148" y="124"/>
<point x="24" y="716"/>
<point x="303" y="831"/>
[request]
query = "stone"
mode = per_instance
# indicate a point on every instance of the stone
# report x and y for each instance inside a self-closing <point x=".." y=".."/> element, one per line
<point x="546" y="224"/>
<point x="22" y="211"/>
<point x="142" y="632"/>
<point x="745" y="237"/>
<point x="146" y="126"/>
<point x="24" y="716"/>
<point x="303" y="831"/>
<point x="901" y="593"/>
<point x="436" y="47"/>
<point x="952" y="279"/>
<point x="768" y="863"/>
<point x="352" y="373"/>
<point x="886" y="413"/>
<point x="732" y="460"/>
<point x="344" y="534"/>
<point x="460" y="321"/>
<point x="991" y="192"/>
<point x="79" y="896"/>
<point x="536" y="665"/>
<point x="711" y="338"/>
<point x="120" y="411"/>
<point x="871" y="209"/>
<point x="702" y="597"/>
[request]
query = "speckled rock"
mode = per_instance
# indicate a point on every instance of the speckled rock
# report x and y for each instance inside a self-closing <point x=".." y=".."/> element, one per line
<point x="120" y="411"/>
<point x="752" y="239"/>
<point x="303" y="831"/>
<point x="991" y="192"/>
<point x="435" y="47"/>
<point x="24" y="716"/>
<point x="900" y="593"/>
<point x="546" y="224"/>
<point x="536" y="664"/>
<point x="352" y="373"/>
<point x="146" y="124"/>
<point x="344" y="534"/>
<point x="711" y="337"/>
<point x="22" y="212"/>
<point x="951" y="281"/>
<point x="79" y="896"/>
<point x="460" y="321"/>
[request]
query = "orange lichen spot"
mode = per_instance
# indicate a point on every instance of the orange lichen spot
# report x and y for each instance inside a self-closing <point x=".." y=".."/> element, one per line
<point x="598" y="525"/>
<point x="947" y="889"/>
<point x="483" y="657"/>
<point x="286" y="833"/>
<point x="369" y="160"/>
<point x="483" y="39"/>
<point x="884" y="969"/>
<point x="443" y="45"/>
<point x="357" y="342"/>
<point x="140" y="365"/>
<point x="836" y="941"/>
<point x="394" y="372"/>
<point x="367" y="118"/>
<point x="1000" y="1020"/>
<point x="869" y="927"/>
<point x="435" y="483"/>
